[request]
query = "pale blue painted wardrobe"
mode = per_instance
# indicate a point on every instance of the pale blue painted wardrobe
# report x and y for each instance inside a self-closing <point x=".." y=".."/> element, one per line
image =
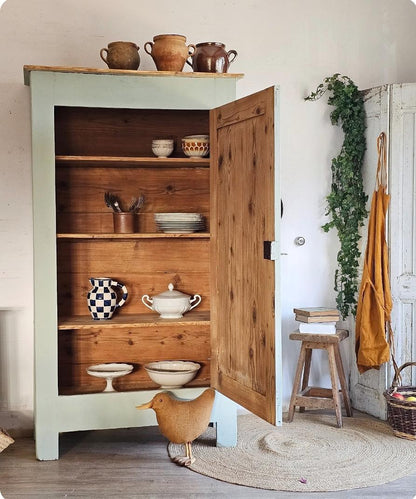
<point x="97" y="95"/>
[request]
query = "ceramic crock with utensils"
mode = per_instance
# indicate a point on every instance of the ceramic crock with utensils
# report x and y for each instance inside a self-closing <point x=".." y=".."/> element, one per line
<point x="169" y="52"/>
<point x="211" y="57"/>
<point x="121" y="55"/>
<point x="124" y="222"/>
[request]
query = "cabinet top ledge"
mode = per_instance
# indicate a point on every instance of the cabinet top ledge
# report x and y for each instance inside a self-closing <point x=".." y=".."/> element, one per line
<point x="27" y="69"/>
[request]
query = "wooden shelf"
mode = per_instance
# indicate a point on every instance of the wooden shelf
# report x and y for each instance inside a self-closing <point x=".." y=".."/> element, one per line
<point x="129" y="321"/>
<point x="146" y="386"/>
<point x="137" y="235"/>
<point x="131" y="161"/>
<point x="27" y="69"/>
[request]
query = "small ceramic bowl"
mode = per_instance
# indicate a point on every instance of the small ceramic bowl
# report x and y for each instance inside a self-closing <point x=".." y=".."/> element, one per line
<point x="162" y="148"/>
<point x="196" y="145"/>
<point x="172" y="373"/>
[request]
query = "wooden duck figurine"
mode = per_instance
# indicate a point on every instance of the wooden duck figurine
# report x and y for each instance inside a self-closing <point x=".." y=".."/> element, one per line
<point x="182" y="421"/>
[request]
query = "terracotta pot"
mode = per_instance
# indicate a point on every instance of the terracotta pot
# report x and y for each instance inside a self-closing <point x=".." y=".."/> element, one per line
<point x="211" y="57"/>
<point x="124" y="222"/>
<point x="121" y="55"/>
<point x="169" y="52"/>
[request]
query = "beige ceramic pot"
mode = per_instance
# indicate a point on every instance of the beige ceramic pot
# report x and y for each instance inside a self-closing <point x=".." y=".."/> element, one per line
<point x="169" y="52"/>
<point x="121" y="55"/>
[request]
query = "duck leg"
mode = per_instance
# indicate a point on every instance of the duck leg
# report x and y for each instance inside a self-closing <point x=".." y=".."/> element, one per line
<point x="189" y="453"/>
<point x="186" y="460"/>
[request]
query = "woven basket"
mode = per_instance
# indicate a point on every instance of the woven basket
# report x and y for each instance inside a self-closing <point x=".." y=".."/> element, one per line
<point x="401" y="414"/>
<point x="5" y="439"/>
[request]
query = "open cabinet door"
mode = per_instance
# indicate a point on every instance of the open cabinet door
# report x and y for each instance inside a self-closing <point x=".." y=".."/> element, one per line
<point x="245" y="214"/>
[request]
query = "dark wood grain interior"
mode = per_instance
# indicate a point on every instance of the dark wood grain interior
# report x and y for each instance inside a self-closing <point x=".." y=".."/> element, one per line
<point x="123" y="132"/>
<point x="145" y="266"/>
<point x="80" y="195"/>
<point x="80" y="349"/>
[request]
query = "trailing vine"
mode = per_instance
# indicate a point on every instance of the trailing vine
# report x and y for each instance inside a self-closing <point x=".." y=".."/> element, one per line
<point x="346" y="201"/>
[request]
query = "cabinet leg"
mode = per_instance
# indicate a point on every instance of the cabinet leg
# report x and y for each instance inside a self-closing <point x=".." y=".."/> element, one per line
<point x="227" y="432"/>
<point x="224" y="414"/>
<point x="47" y="445"/>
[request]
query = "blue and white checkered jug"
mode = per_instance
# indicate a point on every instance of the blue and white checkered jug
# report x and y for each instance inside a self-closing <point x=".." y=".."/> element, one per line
<point x="102" y="299"/>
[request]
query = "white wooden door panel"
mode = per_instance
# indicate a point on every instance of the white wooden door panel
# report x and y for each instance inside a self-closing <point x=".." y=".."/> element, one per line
<point x="367" y="388"/>
<point x="403" y="223"/>
<point x="392" y="109"/>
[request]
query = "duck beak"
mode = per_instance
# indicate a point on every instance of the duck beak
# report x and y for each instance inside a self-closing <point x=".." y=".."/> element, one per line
<point x="149" y="405"/>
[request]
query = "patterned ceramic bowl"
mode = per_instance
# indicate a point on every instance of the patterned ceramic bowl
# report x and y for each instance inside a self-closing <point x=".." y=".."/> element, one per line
<point x="162" y="148"/>
<point x="196" y="145"/>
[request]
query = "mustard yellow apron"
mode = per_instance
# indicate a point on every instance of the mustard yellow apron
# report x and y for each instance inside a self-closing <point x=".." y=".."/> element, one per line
<point x="374" y="299"/>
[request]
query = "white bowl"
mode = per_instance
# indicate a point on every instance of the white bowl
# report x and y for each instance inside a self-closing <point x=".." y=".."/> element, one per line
<point x="162" y="148"/>
<point x="196" y="145"/>
<point x="172" y="373"/>
<point x="109" y="372"/>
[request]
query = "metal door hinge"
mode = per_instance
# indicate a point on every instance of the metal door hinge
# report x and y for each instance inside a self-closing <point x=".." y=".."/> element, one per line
<point x="270" y="250"/>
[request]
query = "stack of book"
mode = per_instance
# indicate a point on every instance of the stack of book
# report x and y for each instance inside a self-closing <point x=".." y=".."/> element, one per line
<point x="318" y="320"/>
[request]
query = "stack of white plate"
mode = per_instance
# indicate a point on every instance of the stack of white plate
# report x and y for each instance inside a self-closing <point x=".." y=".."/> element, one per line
<point x="182" y="223"/>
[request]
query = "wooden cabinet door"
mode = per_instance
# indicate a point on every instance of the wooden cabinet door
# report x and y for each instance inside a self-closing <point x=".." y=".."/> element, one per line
<point x="245" y="322"/>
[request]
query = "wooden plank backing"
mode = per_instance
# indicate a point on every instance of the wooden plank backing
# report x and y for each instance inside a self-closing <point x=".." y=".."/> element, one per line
<point x="123" y="132"/>
<point x="80" y="195"/>
<point x="82" y="348"/>
<point x="242" y="218"/>
<point x="144" y="267"/>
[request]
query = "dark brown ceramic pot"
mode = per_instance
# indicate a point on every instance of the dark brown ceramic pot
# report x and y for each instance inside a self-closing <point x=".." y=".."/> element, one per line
<point x="211" y="57"/>
<point x="121" y="55"/>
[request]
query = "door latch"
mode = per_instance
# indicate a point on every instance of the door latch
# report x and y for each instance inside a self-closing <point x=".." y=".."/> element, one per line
<point x="270" y="250"/>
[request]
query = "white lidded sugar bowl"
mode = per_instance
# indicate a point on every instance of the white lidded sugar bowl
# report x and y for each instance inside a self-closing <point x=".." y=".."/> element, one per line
<point x="171" y="304"/>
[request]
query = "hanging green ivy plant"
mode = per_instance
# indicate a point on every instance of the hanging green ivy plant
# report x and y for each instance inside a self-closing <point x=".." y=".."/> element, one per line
<point x="346" y="203"/>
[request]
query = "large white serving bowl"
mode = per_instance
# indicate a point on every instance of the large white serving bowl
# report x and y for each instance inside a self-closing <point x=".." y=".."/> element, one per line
<point x="171" y="374"/>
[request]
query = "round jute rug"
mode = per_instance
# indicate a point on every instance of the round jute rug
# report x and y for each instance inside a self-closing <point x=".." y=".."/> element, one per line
<point x="310" y="454"/>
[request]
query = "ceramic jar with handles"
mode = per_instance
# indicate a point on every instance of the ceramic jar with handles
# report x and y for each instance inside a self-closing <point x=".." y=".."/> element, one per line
<point x="169" y="52"/>
<point x="211" y="57"/>
<point x="102" y="299"/>
<point x="121" y="55"/>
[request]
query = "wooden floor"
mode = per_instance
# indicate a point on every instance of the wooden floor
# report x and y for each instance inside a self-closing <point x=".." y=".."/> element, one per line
<point x="134" y="463"/>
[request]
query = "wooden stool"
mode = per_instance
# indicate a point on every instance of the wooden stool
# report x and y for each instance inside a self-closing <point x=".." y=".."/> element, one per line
<point x="316" y="397"/>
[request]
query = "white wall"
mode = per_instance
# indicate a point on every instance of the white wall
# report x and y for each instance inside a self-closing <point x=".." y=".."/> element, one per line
<point x="294" y="44"/>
